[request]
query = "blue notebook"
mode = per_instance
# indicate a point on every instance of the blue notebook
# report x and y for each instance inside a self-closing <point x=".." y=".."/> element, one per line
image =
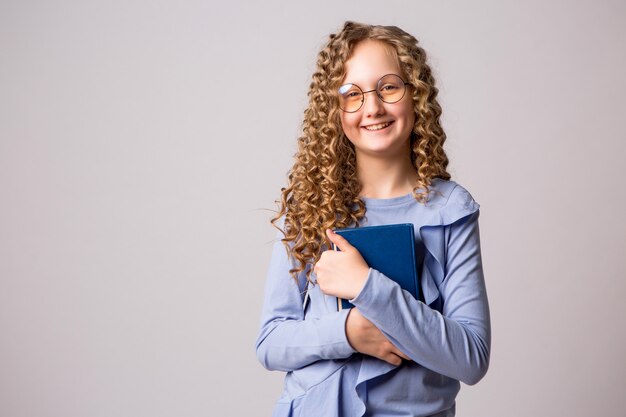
<point x="389" y="249"/>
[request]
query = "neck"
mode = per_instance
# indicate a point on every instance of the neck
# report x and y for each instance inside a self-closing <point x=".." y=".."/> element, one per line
<point x="385" y="178"/>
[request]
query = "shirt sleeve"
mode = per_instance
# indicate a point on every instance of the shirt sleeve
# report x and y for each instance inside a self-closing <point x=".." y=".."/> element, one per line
<point x="289" y="339"/>
<point x="454" y="342"/>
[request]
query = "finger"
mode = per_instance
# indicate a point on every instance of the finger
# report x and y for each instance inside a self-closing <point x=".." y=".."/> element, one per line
<point x="394" y="359"/>
<point x="321" y="261"/>
<point x="317" y="268"/>
<point x="339" y="240"/>
<point x="401" y="354"/>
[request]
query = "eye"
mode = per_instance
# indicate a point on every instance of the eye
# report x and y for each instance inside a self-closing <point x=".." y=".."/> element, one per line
<point x="389" y="87"/>
<point x="350" y="92"/>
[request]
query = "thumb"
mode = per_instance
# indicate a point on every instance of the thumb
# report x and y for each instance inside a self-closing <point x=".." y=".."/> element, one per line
<point x="339" y="240"/>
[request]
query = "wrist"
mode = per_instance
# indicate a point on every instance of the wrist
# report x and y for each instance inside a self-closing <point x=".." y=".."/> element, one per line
<point x="348" y="328"/>
<point x="363" y="277"/>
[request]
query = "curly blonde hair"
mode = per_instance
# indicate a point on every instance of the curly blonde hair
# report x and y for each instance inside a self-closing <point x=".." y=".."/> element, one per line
<point x="323" y="188"/>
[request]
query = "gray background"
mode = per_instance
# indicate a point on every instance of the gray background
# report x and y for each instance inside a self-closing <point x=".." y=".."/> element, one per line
<point x="142" y="146"/>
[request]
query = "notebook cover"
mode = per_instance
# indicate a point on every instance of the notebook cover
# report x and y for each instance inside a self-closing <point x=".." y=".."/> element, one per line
<point x="389" y="249"/>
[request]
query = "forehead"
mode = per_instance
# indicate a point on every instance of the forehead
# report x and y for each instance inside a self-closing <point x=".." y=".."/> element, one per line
<point x="369" y="61"/>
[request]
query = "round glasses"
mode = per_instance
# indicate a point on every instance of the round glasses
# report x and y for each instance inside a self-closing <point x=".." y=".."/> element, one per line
<point x="390" y="89"/>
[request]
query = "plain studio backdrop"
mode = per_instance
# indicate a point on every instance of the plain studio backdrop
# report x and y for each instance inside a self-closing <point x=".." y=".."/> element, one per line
<point x="142" y="146"/>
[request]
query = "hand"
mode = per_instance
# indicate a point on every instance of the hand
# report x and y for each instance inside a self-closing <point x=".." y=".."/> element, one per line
<point x="341" y="273"/>
<point x="366" y="338"/>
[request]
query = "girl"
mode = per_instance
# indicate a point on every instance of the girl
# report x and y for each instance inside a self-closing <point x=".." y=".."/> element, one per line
<point x="371" y="154"/>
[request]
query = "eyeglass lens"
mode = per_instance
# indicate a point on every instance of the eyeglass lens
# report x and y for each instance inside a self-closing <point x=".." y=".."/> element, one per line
<point x="390" y="89"/>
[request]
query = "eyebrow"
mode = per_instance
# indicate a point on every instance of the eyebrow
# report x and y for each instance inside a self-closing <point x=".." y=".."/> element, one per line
<point x="377" y="79"/>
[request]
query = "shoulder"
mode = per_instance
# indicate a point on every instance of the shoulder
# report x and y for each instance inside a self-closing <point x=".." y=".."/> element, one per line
<point x="446" y="192"/>
<point x="451" y="200"/>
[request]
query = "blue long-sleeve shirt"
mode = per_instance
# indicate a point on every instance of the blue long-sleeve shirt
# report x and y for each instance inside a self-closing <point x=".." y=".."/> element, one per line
<point x="447" y="335"/>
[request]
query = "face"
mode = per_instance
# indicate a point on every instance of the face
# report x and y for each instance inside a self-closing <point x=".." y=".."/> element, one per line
<point x="377" y="129"/>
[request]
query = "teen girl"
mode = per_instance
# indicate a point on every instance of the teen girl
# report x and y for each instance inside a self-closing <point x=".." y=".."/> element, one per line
<point x="371" y="154"/>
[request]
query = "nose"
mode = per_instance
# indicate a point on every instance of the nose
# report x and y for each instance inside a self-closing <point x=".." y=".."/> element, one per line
<point x="373" y="105"/>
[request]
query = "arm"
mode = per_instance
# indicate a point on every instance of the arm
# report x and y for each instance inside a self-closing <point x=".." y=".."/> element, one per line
<point x="456" y="342"/>
<point x="289" y="340"/>
<point x="342" y="273"/>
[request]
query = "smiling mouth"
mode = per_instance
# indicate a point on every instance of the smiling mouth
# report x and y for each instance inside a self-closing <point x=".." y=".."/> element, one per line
<point x="378" y="126"/>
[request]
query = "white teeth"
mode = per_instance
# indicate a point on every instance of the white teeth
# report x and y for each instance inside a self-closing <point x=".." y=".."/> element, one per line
<point x="378" y="126"/>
